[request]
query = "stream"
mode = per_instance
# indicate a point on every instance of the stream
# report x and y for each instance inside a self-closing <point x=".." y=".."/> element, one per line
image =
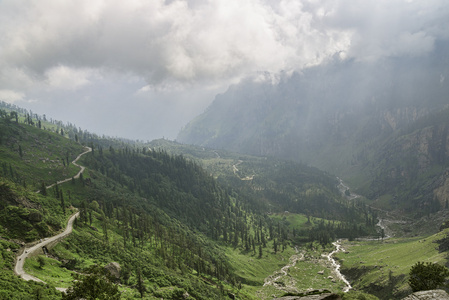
<point x="272" y="279"/>
<point x="289" y="285"/>
<point x="343" y="188"/>
<point x="283" y="272"/>
<point x="337" y="266"/>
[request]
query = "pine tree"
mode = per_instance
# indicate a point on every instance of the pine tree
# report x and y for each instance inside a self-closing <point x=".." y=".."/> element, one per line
<point x="61" y="196"/>
<point x="140" y="286"/>
<point x="56" y="191"/>
<point x="43" y="189"/>
<point x="105" y="227"/>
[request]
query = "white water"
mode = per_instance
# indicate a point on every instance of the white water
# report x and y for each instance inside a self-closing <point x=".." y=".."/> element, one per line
<point x="271" y="280"/>
<point x="337" y="266"/>
<point x="343" y="187"/>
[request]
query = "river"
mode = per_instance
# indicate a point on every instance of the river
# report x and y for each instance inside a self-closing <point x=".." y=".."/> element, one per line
<point x="337" y="266"/>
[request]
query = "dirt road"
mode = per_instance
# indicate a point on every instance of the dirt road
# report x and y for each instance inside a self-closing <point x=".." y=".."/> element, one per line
<point x="18" y="269"/>
<point x="73" y="162"/>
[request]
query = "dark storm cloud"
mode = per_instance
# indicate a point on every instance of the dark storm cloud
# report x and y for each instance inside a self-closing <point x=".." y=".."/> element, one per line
<point x="171" y="48"/>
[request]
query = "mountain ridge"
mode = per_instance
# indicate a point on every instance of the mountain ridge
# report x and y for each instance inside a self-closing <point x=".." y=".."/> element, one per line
<point x="344" y="118"/>
<point x="175" y="215"/>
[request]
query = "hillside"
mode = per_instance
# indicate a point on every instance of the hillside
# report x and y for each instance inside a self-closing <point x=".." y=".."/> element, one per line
<point x="382" y="128"/>
<point x="177" y="225"/>
<point x="380" y="267"/>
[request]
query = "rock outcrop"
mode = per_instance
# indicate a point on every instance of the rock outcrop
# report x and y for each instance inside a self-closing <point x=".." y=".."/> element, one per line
<point x="114" y="269"/>
<point x="428" y="295"/>
<point x="325" y="296"/>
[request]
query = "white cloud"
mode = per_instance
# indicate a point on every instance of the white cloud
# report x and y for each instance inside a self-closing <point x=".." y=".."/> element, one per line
<point x="208" y="41"/>
<point x="110" y="51"/>
<point x="412" y="44"/>
<point x="184" y="41"/>
<point x="383" y="28"/>
<point x="63" y="77"/>
<point x="11" y="96"/>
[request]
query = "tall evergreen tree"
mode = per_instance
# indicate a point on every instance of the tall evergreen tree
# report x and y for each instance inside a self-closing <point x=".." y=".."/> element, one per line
<point x="61" y="197"/>
<point x="43" y="189"/>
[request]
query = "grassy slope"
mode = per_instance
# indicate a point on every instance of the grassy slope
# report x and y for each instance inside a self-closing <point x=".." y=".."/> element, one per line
<point x="42" y="157"/>
<point x="251" y="269"/>
<point x="56" y="274"/>
<point x="11" y="286"/>
<point x="26" y="215"/>
<point x="382" y="267"/>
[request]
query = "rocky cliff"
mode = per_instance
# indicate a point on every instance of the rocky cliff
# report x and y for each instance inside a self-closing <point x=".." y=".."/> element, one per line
<point x="384" y="128"/>
<point x="428" y="295"/>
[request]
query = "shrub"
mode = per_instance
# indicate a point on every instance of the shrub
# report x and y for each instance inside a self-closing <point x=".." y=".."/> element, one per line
<point x="427" y="276"/>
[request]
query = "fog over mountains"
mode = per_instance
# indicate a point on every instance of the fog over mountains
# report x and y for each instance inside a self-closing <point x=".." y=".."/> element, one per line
<point x="142" y="69"/>
<point x="303" y="140"/>
<point x="382" y="125"/>
<point x="340" y="102"/>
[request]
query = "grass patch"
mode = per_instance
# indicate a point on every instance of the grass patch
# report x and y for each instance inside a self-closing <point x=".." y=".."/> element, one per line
<point x="253" y="270"/>
<point x="380" y="267"/>
<point x="51" y="271"/>
<point x="291" y="220"/>
<point x="312" y="272"/>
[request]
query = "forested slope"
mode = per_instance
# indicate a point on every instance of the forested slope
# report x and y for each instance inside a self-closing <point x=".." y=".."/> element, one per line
<point x="386" y="136"/>
<point x="169" y="220"/>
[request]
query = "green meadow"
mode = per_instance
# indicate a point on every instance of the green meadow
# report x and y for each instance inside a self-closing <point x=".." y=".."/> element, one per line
<point x="382" y="267"/>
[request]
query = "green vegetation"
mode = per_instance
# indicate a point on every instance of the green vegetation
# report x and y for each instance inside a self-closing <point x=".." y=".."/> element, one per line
<point x="382" y="267"/>
<point x="386" y="145"/>
<point x="427" y="276"/>
<point x="97" y="283"/>
<point x="272" y="186"/>
<point x="11" y="286"/>
<point x="31" y="156"/>
<point x="182" y="220"/>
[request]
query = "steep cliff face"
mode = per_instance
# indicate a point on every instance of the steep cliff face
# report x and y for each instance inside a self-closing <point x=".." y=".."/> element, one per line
<point x="410" y="164"/>
<point x="400" y="117"/>
<point x="384" y="127"/>
<point x="441" y="192"/>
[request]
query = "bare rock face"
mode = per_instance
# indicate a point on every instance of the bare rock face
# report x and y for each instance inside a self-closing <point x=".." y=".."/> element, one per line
<point x="114" y="269"/>
<point x="428" y="295"/>
<point x="325" y="296"/>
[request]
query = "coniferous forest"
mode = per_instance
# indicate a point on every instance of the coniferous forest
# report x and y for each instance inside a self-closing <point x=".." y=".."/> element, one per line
<point x="180" y="221"/>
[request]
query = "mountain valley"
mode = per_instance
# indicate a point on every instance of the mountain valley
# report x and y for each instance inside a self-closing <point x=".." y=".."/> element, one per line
<point x="187" y="221"/>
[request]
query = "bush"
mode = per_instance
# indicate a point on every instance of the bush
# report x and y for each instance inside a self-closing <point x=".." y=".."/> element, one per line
<point x="96" y="284"/>
<point x="427" y="276"/>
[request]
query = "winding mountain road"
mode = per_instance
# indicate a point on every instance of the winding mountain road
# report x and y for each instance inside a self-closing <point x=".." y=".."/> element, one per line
<point x="18" y="268"/>
<point x="75" y="163"/>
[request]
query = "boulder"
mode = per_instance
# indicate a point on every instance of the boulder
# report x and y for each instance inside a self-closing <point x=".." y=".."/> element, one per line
<point x="325" y="296"/>
<point x="428" y="295"/>
<point x="114" y="269"/>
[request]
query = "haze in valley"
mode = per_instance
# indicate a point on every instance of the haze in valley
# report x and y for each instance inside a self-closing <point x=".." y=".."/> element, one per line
<point x="143" y="69"/>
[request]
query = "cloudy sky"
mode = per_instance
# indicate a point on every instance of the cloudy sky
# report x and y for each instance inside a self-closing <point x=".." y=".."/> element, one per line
<point x="143" y="68"/>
